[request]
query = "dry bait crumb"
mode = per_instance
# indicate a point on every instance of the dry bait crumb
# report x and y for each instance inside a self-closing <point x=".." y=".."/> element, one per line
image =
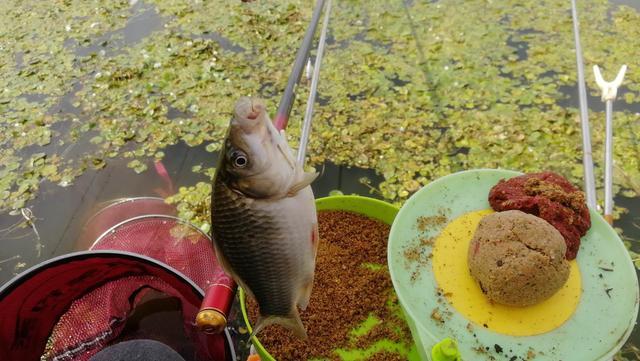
<point x="417" y="256"/>
<point x="425" y="223"/>
<point x="531" y="355"/>
<point x="435" y="314"/>
<point x="480" y="350"/>
<point x="419" y="252"/>
<point x="412" y="254"/>
<point x="344" y="292"/>
<point x="424" y="241"/>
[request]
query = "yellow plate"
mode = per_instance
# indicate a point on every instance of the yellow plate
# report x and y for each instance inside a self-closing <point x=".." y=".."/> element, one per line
<point x="464" y="294"/>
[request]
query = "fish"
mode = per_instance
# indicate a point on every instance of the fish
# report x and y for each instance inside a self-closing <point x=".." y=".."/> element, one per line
<point x="263" y="217"/>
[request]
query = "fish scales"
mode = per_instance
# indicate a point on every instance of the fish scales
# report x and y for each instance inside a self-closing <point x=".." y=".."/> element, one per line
<point x="252" y="242"/>
<point x="263" y="218"/>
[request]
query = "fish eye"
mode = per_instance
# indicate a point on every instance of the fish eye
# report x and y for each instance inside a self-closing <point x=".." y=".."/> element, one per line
<point x="239" y="159"/>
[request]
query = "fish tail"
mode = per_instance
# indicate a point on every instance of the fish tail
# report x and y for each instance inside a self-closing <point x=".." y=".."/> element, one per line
<point x="291" y="322"/>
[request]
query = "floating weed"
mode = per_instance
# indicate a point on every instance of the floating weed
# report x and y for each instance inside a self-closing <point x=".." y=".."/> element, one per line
<point x="413" y="90"/>
<point x="194" y="204"/>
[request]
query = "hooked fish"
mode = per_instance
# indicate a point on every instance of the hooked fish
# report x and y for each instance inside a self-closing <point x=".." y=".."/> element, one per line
<point x="263" y="217"/>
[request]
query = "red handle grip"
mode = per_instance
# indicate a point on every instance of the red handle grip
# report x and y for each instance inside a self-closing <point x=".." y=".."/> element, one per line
<point x="212" y="317"/>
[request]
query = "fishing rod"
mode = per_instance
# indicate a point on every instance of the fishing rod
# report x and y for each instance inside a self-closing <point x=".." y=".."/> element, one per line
<point x="218" y="298"/>
<point x="306" y="125"/>
<point x="429" y="80"/>
<point x="587" y="156"/>
<point x="284" y="109"/>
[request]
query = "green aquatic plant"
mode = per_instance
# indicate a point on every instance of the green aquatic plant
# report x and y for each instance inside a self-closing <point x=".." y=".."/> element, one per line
<point x="414" y="90"/>
<point x="194" y="204"/>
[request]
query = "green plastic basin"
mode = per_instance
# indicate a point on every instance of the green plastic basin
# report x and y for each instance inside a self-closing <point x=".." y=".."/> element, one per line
<point x="366" y="206"/>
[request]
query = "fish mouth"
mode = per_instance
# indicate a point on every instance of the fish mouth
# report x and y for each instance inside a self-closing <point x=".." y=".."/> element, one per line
<point x="249" y="109"/>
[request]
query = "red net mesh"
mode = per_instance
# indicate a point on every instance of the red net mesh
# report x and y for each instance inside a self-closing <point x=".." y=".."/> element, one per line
<point x="98" y="318"/>
<point x="169" y="240"/>
<point x="101" y="297"/>
<point x="118" y="211"/>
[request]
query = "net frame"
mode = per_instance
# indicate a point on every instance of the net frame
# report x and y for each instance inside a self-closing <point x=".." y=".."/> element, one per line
<point x="31" y="304"/>
<point x="110" y="222"/>
<point x="117" y="211"/>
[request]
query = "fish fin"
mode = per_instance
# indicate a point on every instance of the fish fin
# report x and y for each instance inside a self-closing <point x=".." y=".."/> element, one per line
<point x="291" y="322"/>
<point x="226" y="267"/>
<point x="315" y="238"/>
<point x="284" y="148"/>
<point x="221" y="259"/>
<point x="307" y="179"/>
<point x="324" y="166"/>
<point x="303" y="302"/>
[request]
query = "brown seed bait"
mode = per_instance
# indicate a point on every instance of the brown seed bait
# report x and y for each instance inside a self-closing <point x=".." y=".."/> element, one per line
<point x="345" y="293"/>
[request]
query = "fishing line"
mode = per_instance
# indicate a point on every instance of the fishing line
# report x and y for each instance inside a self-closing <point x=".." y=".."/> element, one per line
<point x="431" y="83"/>
<point x="10" y="259"/>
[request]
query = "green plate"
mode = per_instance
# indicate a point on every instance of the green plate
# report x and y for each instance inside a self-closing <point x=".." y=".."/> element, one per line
<point x="597" y="329"/>
<point x="369" y="207"/>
